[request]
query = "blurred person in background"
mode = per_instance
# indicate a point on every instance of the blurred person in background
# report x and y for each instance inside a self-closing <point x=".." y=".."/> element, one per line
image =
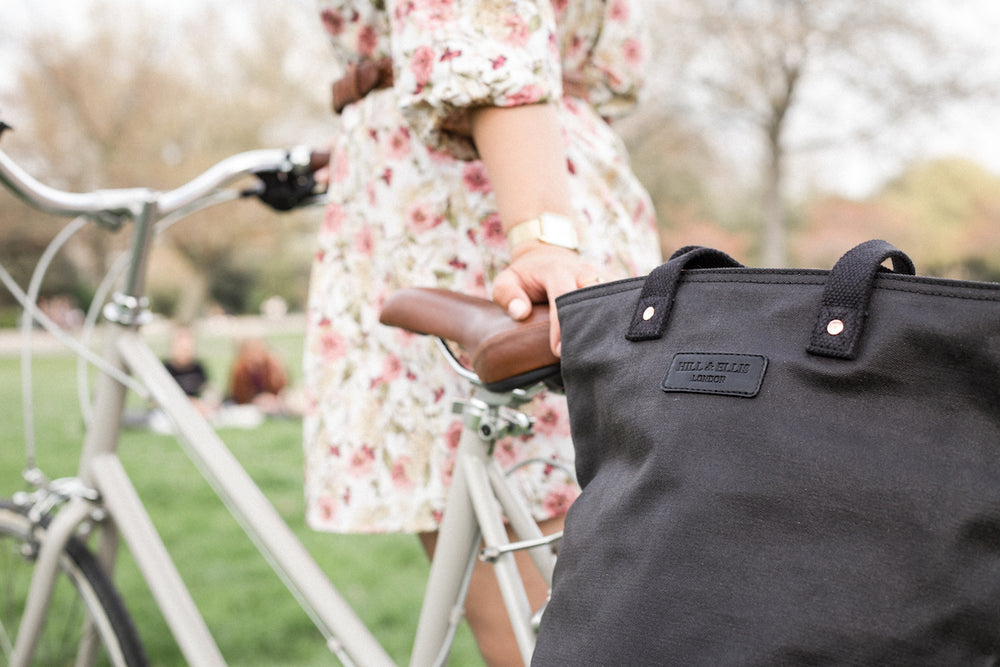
<point x="258" y="377"/>
<point x="184" y="366"/>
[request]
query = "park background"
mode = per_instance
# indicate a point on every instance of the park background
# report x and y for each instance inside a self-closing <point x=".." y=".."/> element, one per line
<point x="781" y="131"/>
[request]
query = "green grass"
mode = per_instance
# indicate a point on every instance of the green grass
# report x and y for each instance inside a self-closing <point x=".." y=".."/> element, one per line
<point x="253" y="617"/>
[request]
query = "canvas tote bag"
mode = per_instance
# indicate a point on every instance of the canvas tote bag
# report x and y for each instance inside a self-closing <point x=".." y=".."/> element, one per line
<point x="781" y="467"/>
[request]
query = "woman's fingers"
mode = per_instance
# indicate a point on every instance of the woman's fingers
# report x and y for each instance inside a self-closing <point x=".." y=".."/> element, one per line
<point x="540" y="276"/>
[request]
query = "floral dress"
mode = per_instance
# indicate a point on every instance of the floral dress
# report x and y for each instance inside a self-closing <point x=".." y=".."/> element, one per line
<point x="410" y="205"/>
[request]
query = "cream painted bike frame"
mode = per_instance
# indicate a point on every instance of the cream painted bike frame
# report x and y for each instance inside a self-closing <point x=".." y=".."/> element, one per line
<point x="479" y="501"/>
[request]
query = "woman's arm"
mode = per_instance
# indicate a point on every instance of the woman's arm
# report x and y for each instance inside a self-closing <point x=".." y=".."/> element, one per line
<point x="523" y="151"/>
<point x="517" y="145"/>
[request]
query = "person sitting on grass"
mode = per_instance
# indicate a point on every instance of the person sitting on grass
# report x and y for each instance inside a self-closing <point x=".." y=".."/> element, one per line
<point x="187" y="370"/>
<point x="258" y="378"/>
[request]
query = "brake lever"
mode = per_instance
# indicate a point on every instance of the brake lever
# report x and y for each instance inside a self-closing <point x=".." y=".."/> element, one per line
<point x="292" y="186"/>
<point x="282" y="190"/>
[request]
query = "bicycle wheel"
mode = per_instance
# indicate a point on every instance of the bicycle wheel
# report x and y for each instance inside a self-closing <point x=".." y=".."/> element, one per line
<point x="87" y="614"/>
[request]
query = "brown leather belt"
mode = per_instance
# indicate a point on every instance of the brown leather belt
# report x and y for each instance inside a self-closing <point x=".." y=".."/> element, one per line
<point x="363" y="77"/>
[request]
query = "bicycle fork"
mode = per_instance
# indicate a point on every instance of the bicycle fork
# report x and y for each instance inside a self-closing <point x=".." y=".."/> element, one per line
<point x="58" y="534"/>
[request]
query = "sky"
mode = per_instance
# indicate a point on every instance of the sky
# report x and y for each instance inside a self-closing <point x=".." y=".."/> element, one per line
<point x="973" y="132"/>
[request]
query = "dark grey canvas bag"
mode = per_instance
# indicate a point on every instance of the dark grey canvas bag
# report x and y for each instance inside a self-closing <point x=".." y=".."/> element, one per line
<point x="781" y="467"/>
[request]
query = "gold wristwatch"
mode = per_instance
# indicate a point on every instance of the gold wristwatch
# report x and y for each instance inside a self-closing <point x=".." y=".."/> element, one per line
<point x="550" y="228"/>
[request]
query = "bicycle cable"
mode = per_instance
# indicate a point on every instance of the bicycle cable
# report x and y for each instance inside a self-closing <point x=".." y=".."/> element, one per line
<point x="27" y="326"/>
<point x="110" y="279"/>
<point x="28" y="302"/>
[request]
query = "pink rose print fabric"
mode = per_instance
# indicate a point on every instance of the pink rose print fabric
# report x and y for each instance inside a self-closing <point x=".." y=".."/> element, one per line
<point x="410" y="205"/>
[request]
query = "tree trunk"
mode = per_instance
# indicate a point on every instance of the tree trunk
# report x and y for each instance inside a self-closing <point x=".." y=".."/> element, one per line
<point x="774" y="253"/>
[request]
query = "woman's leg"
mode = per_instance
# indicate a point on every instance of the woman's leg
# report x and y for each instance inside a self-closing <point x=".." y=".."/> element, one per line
<point x="484" y="607"/>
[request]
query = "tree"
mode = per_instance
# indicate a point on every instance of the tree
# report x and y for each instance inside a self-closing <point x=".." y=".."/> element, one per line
<point x="806" y="75"/>
<point x="944" y="213"/>
<point x="952" y="210"/>
<point x="132" y="99"/>
<point x="673" y="158"/>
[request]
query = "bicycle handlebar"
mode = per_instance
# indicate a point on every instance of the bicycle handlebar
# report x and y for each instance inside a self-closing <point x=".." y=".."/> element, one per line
<point x="290" y="171"/>
<point x="227" y="171"/>
<point x="59" y="202"/>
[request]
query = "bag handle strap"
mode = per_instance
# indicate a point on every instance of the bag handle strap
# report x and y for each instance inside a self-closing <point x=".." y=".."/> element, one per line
<point x="658" y="292"/>
<point x="844" y="309"/>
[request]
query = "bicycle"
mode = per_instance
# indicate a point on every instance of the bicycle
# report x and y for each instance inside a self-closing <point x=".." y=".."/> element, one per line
<point x="69" y="529"/>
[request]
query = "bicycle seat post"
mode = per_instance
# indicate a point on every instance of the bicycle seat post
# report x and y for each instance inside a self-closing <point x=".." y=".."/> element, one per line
<point x="509" y="361"/>
<point x="484" y="415"/>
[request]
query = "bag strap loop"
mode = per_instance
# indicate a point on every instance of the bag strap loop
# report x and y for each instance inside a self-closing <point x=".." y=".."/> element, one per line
<point x="660" y="288"/>
<point x="844" y="309"/>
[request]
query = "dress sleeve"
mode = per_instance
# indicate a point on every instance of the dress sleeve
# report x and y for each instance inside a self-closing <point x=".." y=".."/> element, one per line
<point x="618" y="62"/>
<point x="450" y="55"/>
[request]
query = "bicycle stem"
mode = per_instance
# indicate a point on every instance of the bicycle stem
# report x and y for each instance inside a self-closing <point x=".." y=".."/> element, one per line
<point x="129" y="307"/>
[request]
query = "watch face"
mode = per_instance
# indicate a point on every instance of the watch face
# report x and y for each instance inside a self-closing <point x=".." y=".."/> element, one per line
<point x="548" y="228"/>
<point x="558" y="230"/>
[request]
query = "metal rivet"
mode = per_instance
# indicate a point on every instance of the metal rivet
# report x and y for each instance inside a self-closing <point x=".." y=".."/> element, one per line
<point x="835" y="327"/>
<point x="648" y="313"/>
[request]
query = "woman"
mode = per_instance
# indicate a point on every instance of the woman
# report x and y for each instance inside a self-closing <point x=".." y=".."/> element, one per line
<point x="463" y="123"/>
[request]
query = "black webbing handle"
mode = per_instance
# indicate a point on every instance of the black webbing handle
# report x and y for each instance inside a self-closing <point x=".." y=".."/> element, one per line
<point x="658" y="292"/>
<point x="844" y="309"/>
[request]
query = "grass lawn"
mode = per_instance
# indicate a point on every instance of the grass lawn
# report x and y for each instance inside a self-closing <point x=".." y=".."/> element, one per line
<point x="253" y="617"/>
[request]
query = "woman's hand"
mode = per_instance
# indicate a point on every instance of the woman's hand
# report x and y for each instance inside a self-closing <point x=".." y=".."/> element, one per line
<point x="538" y="273"/>
<point x="523" y="150"/>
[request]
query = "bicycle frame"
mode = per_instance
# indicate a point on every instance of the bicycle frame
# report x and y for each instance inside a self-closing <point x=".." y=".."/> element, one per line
<point x="472" y="513"/>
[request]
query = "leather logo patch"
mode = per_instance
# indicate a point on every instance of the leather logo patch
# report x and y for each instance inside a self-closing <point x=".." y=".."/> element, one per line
<point x="716" y="373"/>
